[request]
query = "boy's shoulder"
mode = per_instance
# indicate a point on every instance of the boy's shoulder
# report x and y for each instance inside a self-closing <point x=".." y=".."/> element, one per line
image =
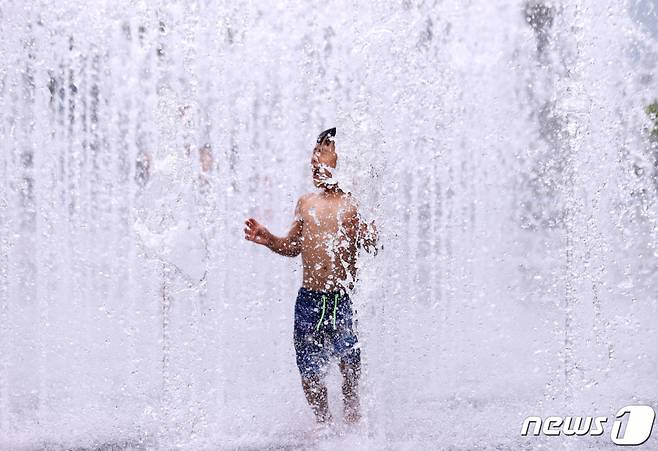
<point x="304" y="203"/>
<point x="307" y="198"/>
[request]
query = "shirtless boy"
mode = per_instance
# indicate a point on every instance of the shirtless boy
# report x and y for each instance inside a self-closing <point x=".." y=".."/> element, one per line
<point x="327" y="231"/>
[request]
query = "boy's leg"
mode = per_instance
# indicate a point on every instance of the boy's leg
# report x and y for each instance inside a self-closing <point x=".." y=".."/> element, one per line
<point x="316" y="395"/>
<point x="346" y="346"/>
<point x="311" y="355"/>
<point x="311" y="363"/>
<point x="351" y="370"/>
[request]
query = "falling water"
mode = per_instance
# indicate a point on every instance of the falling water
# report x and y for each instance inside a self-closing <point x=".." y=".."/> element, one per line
<point x="502" y="148"/>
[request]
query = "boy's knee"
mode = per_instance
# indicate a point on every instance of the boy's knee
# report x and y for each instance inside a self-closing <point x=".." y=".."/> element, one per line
<point x="350" y="369"/>
<point x="310" y="379"/>
<point x="352" y="360"/>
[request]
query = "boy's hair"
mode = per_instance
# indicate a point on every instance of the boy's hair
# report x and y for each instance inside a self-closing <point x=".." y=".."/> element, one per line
<point x="330" y="132"/>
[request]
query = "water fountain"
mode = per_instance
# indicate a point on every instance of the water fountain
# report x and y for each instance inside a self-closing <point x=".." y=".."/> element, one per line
<point x="502" y="148"/>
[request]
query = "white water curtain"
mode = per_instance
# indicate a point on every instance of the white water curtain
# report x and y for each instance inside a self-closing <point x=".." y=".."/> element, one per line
<point x="501" y="147"/>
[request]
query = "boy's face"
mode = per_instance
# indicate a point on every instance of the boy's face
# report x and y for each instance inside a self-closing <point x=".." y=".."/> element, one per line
<point x="323" y="160"/>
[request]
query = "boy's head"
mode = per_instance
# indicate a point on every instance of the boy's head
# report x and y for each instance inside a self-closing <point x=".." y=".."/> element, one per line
<point x="324" y="158"/>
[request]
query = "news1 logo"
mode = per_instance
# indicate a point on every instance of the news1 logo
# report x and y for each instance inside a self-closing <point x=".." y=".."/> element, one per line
<point x="638" y="422"/>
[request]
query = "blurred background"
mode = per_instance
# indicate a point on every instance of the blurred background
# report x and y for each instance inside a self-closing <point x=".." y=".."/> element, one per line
<point x="507" y="150"/>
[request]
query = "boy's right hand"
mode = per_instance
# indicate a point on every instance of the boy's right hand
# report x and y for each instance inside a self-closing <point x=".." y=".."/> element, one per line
<point x="256" y="232"/>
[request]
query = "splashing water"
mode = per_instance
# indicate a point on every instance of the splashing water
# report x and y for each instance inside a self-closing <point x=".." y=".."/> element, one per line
<point x="502" y="148"/>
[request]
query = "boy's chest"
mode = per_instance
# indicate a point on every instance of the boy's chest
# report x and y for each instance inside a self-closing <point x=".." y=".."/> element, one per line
<point x="325" y="216"/>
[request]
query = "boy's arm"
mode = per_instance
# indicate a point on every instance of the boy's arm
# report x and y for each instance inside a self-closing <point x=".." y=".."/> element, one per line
<point x="368" y="236"/>
<point x="364" y="233"/>
<point x="290" y="245"/>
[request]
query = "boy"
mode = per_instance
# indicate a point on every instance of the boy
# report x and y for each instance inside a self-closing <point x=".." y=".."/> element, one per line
<point x="327" y="231"/>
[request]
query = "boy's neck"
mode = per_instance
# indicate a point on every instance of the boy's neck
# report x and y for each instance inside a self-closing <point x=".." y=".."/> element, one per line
<point x="331" y="190"/>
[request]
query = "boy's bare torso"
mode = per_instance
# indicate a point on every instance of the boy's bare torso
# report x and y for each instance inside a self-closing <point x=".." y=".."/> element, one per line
<point x="327" y="223"/>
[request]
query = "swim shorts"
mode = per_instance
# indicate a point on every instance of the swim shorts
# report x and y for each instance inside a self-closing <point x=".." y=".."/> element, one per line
<point x="323" y="329"/>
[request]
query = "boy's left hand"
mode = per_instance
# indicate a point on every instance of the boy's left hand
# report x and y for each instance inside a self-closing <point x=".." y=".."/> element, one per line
<point x="351" y="225"/>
